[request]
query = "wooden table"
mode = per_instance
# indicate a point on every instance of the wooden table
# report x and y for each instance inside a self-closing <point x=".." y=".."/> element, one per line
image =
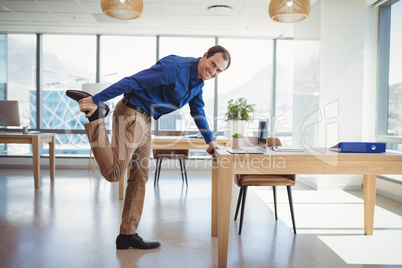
<point x="35" y="140"/>
<point x="314" y="162"/>
<point x="176" y="143"/>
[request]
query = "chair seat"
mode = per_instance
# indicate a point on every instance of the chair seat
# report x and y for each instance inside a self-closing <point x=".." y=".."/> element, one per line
<point x="265" y="180"/>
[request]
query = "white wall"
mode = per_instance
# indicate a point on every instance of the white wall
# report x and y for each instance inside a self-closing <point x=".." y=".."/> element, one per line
<point x="345" y="109"/>
<point x="342" y="70"/>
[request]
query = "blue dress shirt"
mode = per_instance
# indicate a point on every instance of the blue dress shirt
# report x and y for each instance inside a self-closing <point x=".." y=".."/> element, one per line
<point x="167" y="86"/>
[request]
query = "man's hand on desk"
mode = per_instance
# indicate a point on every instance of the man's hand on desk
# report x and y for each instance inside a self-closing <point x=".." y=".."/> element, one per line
<point x="211" y="148"/>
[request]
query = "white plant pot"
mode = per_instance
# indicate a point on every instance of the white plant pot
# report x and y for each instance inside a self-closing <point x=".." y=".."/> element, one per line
<point x="237" y="143"/>
<point x="237" y="126"/>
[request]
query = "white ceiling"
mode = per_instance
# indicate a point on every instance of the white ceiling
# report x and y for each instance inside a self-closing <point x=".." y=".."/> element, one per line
<point x="160" y="17"/>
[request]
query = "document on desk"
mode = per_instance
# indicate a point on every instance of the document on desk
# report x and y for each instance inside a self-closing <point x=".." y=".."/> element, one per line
<point x="287" y="149"/>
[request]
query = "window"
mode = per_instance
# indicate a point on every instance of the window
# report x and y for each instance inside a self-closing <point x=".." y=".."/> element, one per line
<point x="69" y="61"/>
<point x="395" y="70"/>
<point x="17" y="80"/>
<point x="284" y="86"/>
<point x="390" y="80"/>
<point x="249" y="76"/>
<point x="305" y="99"/>
<point x="123" y="56"/>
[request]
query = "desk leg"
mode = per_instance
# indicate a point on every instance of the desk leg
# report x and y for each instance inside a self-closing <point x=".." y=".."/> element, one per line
<point x="214" y="203"/>
<point x="36" y="160"/>
<point x="225" y="196"/>
<point x="369" y="191"/>
<point x="52" y="157"/>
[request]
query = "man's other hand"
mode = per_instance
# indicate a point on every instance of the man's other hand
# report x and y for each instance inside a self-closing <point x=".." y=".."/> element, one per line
<point x="87" y="105"/>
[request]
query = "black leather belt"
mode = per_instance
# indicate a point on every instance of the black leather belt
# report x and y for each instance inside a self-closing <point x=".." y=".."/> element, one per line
<point x="134" y="107"/>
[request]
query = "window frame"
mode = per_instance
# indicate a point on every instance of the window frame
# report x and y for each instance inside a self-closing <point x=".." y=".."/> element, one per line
<point x="384" y="37"/>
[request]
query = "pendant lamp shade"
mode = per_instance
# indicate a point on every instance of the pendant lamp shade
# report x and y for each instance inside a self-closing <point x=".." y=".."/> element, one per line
<point x="122" y="9"/>
<point x="289" y="10"/>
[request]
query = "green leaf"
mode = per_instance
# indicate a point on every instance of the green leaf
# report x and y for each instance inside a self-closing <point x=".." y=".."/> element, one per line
<point x="239" y="110"/>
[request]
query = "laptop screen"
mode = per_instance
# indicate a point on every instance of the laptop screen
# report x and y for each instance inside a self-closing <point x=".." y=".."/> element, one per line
<point x="262" y="132"/>
<point x="9" y="113"/>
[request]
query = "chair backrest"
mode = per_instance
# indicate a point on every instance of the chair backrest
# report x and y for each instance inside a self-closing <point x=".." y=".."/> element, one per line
<point x="167" y="151"/>
<point x="9" y="113"/>
<point x="274" y="142"/>
<point x="252" y="141"/>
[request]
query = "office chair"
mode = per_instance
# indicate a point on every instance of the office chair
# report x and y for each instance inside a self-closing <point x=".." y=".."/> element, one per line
<point x="245" y="180"/>
<point x="181" y="155"/>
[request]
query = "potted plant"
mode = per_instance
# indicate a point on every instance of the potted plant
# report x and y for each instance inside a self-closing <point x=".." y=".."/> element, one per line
<point x="238" y="114"/>
<point x="237" y="140"/>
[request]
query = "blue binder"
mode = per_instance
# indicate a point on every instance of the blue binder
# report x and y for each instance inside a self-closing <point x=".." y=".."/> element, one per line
<point x="359" y="147"/>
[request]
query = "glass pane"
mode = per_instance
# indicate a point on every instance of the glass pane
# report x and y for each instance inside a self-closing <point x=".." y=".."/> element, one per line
<point x="249" y="76"/>
<point x="17" y="81"/>
<point x="68" y="62"/>
<point x="20" y="74"/>
<point x="187" y="47"/>
<point x="123" y="56"/>
<point x="306" y="90"/>
<point x="3" y="64"/>
<point x="284" y="85"/>
<point x="395" y="71"/>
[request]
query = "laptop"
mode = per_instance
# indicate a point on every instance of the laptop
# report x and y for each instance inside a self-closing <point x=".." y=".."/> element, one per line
<point x="9" y="113"/>
<point x="262" y="141"/>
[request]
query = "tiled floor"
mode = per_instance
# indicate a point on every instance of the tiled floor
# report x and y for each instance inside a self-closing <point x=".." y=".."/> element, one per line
<point x="73" y="222"/>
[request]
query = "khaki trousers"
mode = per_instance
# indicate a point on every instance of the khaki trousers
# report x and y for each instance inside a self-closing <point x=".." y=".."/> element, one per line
<point x="131" y="140"/>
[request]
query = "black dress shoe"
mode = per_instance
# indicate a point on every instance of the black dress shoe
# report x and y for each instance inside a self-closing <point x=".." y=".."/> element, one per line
<point x="77" y="95"/>
<point x="102" y="111"/>
<point x="134" y="241"/>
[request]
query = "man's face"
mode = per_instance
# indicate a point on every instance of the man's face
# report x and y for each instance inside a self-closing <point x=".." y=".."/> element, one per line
<point x="211" y="67"/>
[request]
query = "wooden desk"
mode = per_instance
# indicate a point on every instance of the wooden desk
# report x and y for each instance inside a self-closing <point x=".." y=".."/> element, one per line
<point x="35" y="140"/>
<point x="226" y="164"/>
<point x="176" y="142"/>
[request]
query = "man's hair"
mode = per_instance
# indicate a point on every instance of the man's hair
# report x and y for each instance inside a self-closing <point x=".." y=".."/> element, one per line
<point x="219" y="49"/>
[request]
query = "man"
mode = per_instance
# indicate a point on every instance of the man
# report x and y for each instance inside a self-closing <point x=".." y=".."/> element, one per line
<point x="167" y="86"/>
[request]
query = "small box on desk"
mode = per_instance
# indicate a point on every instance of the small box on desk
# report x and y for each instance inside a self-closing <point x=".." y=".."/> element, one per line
<point x="359" y="147"/>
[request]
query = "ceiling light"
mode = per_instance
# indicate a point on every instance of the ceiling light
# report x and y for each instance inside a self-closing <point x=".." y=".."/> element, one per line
<point x="220" y="9"/>
<point x="122" y="9"/>
<point x="289" y="10"/>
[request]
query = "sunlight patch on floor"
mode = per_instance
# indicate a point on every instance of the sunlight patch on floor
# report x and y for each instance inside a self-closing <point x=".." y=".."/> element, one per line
<point x="383" y="247"/>
<point x="337" y="218"/>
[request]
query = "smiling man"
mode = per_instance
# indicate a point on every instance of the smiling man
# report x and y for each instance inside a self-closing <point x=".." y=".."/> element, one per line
<point x="167" y="86"/>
